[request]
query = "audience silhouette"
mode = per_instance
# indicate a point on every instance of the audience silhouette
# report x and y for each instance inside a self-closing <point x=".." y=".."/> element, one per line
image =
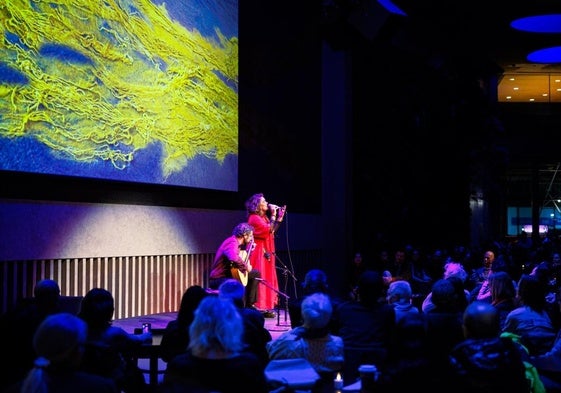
<point x="175" y="338"/>
<point x="485" y="361"/>
<point x="20" y="324"/>
<point x="255" y="335"/>
<point x="59" y="344"/>
<point x="366" y="325"/>
<point x="215" y="358"/>
<point x="108" y="347"/>
<point x="312" y="341"/>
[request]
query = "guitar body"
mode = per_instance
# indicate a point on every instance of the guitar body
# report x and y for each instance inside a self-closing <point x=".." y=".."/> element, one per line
<point x="239" y="275"/>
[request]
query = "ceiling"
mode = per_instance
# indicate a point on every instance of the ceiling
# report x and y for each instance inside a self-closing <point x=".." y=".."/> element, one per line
<point x="478" y="33"/>
<point x="484" y="28"/>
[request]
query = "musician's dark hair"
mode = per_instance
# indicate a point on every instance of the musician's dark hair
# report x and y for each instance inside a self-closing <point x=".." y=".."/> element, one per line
<point x="252" y="203"/>
<point x="241" y="229"/>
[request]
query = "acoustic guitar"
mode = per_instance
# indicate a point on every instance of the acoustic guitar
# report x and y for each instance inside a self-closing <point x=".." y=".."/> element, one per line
<point x="244" y="255"/>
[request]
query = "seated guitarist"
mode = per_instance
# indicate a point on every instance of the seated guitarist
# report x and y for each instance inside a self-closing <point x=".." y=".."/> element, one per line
<point x="232" y="261"/>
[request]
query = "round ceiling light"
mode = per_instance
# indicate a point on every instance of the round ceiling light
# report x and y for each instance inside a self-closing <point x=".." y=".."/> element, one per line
<point x="546" y="55"/>
<point x="550" y="23"/>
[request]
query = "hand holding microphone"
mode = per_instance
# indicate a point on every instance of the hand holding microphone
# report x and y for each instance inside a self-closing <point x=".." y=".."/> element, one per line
<point x="273" y="208"/>
<point x="277" y="211"/>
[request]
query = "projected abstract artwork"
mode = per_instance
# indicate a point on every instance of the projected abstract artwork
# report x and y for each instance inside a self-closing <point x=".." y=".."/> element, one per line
<point x="130" y="90"/>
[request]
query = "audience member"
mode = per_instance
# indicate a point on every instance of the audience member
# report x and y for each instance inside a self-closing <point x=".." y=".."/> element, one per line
<point x="357" y="267"/>
<point x="444" y="324"/>
<point x="399" y="295"/>
<point x="549" y="364"/>
<point x="366" y="326"/>
<point x="408" y="367"/>
<point x="20" y="324"/>
<point x="312" y="341"/>
<point x="315" y="281"/>
<point x="451" y="269"/>
<point x="480" y="274"/>
<point x="503" y="294"/>
<point x="108" y="347"/>
<point x="58" y="343"/>
<point x="215" y="359"/>
<point x="544" y="273"/>
<point x="485" y="362"/>
<point x="255" y="335"/>
<point x="176" y="334"/>
<point x="421" y="281"/>
<point x="530" y="320"/>
<point x="401" y="268"/>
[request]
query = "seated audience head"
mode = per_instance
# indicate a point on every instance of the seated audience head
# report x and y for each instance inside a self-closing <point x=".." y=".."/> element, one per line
<point x="189" y="303"/>
<point x="97" y="308"/>
<point x="58" y="344"/>
<point x="234" y="290"/>
<point x="315" y="281"/>
<point x="531" y="292"/>
<point x="217" y="329"/>
<point x="481" y="320"/>
<point x="455" y="269"/>
<point x="502" y="287"/>
<point x="399" y="292"/>
<point x="316" y="310"/>
<point x="444" y="296"/>
<point x="47" y="294"/>
<point x="370" y="287"/>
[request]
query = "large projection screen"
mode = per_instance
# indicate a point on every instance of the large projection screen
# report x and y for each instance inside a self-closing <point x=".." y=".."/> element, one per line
<point x="130" y="90"/>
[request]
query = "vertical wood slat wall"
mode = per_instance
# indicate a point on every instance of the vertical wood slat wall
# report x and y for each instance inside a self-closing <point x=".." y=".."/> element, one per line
<point x="141" y="285"/>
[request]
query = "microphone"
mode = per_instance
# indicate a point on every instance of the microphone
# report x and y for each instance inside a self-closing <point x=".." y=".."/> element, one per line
<point x="275" y="207"/>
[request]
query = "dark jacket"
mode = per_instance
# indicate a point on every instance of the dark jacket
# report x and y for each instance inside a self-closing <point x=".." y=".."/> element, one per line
<point x="488" y="365"/>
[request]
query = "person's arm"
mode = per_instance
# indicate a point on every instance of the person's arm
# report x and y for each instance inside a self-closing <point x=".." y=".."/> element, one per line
<point x="277" y="217"/>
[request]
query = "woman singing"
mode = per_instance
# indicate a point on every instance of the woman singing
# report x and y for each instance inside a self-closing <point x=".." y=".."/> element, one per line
<point x="265" y="219"/>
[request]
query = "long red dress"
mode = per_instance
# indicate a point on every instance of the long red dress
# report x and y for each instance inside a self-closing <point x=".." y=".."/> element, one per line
<point x="264" y="242"/>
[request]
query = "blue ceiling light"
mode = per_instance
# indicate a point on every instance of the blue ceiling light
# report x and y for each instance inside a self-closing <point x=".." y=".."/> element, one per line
<point x="547" y="55"/>
<point x="391" y="7"/>
<point x="550" y="23"/>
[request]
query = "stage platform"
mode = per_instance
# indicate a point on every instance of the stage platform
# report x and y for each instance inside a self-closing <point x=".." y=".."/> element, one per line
<point x="276" y="326"/>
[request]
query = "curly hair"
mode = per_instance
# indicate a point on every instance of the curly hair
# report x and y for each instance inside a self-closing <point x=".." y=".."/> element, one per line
<point x="252" y="204"/>
<point x="242" y="229"/>
<point x="217" y="327"/>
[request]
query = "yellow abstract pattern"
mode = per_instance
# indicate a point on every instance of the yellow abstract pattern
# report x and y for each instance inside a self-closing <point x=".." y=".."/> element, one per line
<point x="145" y="79"/>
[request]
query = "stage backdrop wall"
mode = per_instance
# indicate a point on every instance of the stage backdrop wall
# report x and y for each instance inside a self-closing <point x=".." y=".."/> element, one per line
<point x="145" y="255"/>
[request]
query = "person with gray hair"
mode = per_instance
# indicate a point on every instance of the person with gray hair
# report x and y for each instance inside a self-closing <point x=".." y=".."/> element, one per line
<point x="312" y="341"/>
<point x="215" y="359"/>
<point x="451" y="269"/>
<point x="400" y="297"/>
<point x="255" y="335"/>
<point x="59" y="344"/>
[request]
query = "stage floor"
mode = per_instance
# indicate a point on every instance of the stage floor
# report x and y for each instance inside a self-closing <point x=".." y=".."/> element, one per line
<point x="276" y="326"/>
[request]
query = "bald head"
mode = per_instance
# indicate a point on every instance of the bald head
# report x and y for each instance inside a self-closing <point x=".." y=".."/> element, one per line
<point x="481" y="320"/>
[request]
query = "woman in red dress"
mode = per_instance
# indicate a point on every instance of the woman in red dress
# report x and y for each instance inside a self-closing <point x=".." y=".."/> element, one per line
<point x="265" y="219"/>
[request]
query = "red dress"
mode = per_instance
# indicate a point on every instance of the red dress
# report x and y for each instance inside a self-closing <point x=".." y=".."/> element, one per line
<point x="264" y="242"/>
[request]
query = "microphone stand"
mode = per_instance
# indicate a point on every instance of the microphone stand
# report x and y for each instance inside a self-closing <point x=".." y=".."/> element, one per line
<point x="285" y="271"/>
<point x="279" y="293"/>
